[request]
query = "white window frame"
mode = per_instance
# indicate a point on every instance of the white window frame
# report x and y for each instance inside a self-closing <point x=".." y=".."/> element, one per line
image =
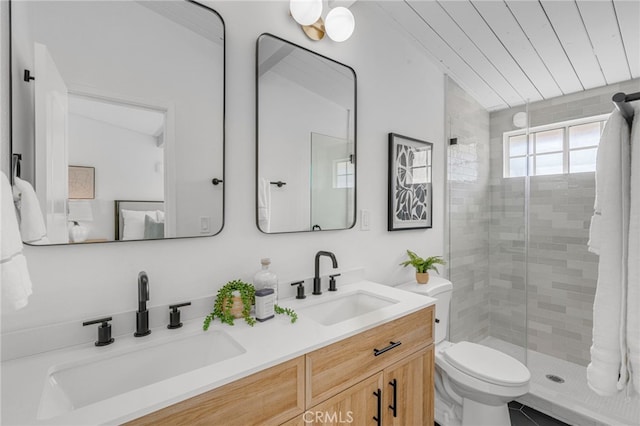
<point x="336" y="175"/>
<point x="531" y="156"/>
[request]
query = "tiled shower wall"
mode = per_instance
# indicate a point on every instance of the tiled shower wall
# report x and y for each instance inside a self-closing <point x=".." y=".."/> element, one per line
<point x="468" y="239"/>
<point x="561" y="273"/>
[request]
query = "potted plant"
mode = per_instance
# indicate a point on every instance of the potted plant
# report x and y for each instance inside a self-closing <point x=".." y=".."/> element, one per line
<point x="423" y="265"/>
<point x="234" y="300"/>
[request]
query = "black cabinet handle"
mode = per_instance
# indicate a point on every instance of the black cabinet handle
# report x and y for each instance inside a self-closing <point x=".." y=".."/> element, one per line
<point x="378" y="395"/>
<point x="216" y="181"/>
<point x="392" y="345"/>
<point x="394" y="407"/>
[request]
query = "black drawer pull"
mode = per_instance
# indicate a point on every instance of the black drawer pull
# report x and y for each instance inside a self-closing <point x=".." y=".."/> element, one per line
<point x="392" y="345"/>
<point x="394" y="407"/>
<point x="378" y="395"/>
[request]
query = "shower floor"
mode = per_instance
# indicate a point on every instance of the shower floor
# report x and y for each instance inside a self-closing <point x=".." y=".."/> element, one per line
<point x="572" y="401"/>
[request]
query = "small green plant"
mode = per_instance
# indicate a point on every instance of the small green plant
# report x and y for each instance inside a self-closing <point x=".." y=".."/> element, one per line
<point x="286" y="311"/>
<point x="224" y="302"/>
<point x="423" y="265"/>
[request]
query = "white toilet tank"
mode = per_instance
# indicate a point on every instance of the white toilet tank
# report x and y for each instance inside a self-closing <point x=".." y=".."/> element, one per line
<point x="440" y="289"/>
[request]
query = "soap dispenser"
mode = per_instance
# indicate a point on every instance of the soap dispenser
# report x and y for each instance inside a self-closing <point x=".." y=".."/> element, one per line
<point x="264" y="278"/>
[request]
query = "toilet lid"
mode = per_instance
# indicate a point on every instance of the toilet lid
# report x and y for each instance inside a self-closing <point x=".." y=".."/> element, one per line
<point x="487" y="364"/>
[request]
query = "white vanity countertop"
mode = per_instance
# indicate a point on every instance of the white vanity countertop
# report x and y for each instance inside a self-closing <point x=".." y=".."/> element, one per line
<point x="266" y="344"/>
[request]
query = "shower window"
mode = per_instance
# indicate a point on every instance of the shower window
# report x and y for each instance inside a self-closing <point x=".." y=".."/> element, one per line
<point x="559" y="148"/>
<point x="343" y="173"/>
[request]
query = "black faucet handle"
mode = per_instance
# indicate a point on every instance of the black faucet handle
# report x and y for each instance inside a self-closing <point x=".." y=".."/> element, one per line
<point x="174" y="315"/>
<point x="104" y="331"/>
<point x="179" y="305"/>
<point x="300" y="285"/>
<point x="332" y="282"/>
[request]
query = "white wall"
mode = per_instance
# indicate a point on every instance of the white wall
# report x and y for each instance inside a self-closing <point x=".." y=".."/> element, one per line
<point x="399" y="90"/>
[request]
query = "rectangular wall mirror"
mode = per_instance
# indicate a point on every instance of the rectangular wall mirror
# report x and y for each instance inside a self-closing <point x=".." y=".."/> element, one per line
<point x="118" y="118"/>
<point x="306" y="139"/>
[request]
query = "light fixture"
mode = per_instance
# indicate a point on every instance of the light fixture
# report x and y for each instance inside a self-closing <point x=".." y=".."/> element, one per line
<point x="338" y="24"/>
<point x="520" y="119"/>
<point x="306" y="12"/>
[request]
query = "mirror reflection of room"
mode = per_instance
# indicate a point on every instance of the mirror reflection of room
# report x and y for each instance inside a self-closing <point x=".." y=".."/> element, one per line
<point x="306" y="165"/>
<point x="106" y="123"/>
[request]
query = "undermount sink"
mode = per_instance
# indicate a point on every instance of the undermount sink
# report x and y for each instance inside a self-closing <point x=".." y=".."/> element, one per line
<point x="78" y="384"/>
<point x="345" y="307"/>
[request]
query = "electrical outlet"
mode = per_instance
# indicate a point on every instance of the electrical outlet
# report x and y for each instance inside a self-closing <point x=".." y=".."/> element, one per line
<point x="365" y="220"/>
<point x="205" y="224"/>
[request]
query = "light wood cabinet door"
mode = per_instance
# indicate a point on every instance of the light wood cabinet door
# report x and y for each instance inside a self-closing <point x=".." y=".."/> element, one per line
<point x="408" y="390"/>
<point x="341" y="365"/>
<point x="269" y="397"/>
<point x="360" y="405"/>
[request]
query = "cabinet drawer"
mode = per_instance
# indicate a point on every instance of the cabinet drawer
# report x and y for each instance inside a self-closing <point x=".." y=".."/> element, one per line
<point x="268" y="397"/>
<point x="338" y="366"/>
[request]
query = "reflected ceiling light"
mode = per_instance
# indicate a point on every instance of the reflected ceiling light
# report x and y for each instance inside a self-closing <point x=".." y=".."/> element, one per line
<point x="338" y="25"/>
<point x="305" y="12"/>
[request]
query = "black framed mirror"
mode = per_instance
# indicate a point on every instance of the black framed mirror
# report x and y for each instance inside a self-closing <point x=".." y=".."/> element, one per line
<point x="117" y="101"/>
<point x="305" y="139"/>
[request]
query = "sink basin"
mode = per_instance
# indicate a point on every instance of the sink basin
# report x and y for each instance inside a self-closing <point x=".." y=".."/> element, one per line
<point x="345" y="307"/>
<point x="75" y="385"/>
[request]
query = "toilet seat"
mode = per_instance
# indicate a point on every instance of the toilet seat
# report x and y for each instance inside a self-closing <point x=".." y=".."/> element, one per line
<point x="487" y="364"/>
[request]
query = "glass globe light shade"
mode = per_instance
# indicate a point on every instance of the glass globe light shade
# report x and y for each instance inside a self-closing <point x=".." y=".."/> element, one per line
<point x="305" y="12"/>
<point x="339" y="24"/>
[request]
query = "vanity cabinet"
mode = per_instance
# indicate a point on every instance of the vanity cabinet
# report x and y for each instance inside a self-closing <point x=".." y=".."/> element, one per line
<point x="408" y="390"/>
<point x="341" y="365"/>
<point x="355" y="406"/>
<point x="268" y="397"/>
<point x="351" y="381"/>
<point x="390" y="365"/>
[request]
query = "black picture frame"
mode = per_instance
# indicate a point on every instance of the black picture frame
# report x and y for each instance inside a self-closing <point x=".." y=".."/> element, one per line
<point x="410" y="197"/>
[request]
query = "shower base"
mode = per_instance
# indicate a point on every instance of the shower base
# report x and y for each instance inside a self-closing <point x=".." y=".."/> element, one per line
<point x="571" y="401"/>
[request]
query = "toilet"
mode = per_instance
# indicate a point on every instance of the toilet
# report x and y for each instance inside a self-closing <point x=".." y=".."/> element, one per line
<point x="474" y="383"/>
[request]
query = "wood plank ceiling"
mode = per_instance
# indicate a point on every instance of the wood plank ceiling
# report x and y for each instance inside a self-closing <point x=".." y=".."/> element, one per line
<point x="505" y="52"/>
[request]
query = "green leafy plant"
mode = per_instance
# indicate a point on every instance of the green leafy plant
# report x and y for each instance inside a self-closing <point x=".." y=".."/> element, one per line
<point x="423" y="265"/>
<point x="286" y="311"/>
<point x="224" y="302"/>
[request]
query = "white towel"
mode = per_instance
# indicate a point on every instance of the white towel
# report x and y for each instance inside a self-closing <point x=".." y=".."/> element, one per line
<point x="607" y="373"/>
<point x="264" y="205"/>
<point x="16" y="283"/>
<point x="32" y="227"/>
<point x="633" y="264"/>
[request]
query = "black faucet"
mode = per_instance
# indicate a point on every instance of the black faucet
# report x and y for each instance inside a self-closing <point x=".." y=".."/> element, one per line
<point x="142" y="316"/>
<point x="316" y="278"/>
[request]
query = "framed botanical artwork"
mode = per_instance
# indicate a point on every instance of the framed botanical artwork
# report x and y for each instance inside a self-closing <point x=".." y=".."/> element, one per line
<point x="82" y="184"/>
<point x="410" y="186"/>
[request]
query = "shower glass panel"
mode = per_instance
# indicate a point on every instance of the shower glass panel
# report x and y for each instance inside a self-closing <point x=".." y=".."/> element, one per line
<point x="486" y="249"/>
